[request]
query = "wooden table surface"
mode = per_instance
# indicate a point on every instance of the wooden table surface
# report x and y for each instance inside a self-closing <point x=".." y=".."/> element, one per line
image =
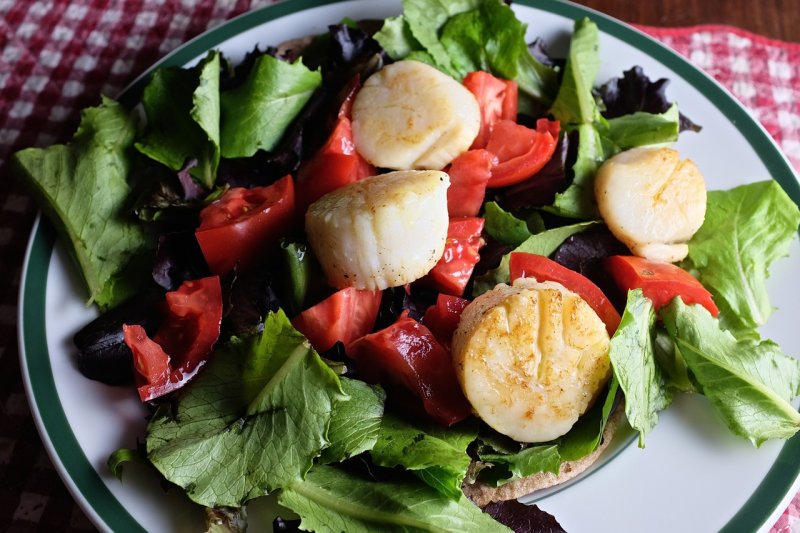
<point x="778" y="19"/>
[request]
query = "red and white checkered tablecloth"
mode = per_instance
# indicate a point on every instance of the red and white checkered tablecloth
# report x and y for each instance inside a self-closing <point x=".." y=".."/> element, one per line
<point x="59" y="56"/>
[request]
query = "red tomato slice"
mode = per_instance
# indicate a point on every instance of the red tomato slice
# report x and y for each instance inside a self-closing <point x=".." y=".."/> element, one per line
<point x="336" y="164"/>
<point x="240" y="225"/>
<point x="407" y="354"/>
<point x="344" y="316"/>
<point x="442" y="317"/>
<point x="469" y="174"/>
<point x="497" y="100"/>
<point x="452" y="272"/>
<point x="661" y="282"/>
<point x="521" y="151"/>
<point x="181" y="346"/>
<point x="525" y="265"/>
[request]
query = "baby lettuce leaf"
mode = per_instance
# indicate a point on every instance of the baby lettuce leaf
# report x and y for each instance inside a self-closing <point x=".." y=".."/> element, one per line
<point x="253" y="421"/>
<point x="671" y="363"/>
<point x="462" y="36"/>
<point x="183" y="113"/>
<point x="749" y="383"/>
<point x="491" y="38"/>
<point x="523" y="518"/>
<point x="82" y="187"/>
<point x="332" y="500"/>
<point x="632" y="357"/>
<point x="425" y="19"/>
<point x="435" y="454"/>
<point x="355" y="423"/>
<point x="587" y="433"/>
<point x="544" y="243"/>
<point x="256" y="113"/>
<point x="531" y="460"/>
<point x="503" y="226"/>
<point x="635" y="92"/>
<point x="745" y="230"/>
<point x="575" y="103"/>
<point x="641" y="128"/>
<point x="577" y="201"/>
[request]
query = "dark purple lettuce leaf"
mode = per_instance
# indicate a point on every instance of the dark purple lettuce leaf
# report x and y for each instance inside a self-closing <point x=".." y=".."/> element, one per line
<point x="523" y="518"/>
<point x="581" y="250"/>
<point x="170" y="199"/>
<point x="279" y="525"/>
<point x="635" y="92"/>
<point x="538" y="50"/>
<point x="247" y="299"/>
<point x="584" y="252"/>
<point x="178" y="259"/>
<point x="542" y="187"/>
<point x="395" y="300"/>
<point x="102" y="353"/>
<point x="490" y="256"/>
<point x="192" y="190"/>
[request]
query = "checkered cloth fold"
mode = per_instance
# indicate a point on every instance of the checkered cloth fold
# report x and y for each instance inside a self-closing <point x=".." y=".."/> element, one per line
<point x="59" y="56"/>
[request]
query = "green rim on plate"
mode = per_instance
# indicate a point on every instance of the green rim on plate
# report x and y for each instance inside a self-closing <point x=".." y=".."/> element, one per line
<point x="64" y="446"/>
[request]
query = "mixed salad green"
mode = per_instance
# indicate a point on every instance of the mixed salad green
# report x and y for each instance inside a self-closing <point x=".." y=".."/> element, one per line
<point x="266" y="412"/>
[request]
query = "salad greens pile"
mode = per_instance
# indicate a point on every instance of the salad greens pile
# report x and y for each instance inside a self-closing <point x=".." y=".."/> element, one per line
<point x="270" y="414"/>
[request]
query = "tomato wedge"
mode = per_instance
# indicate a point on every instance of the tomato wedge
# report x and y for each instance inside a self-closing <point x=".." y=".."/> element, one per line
<point x="469" y="173"/>
<point x="344" y="316"/>
<point x="181" y="346"/>
<point x="451" y="274"/>
<point x="337" y="163"/>
<point x="242" y="223"/>
<point x="497" y="100"/>
<point x="407" y="354"/>
<point x="525" y="265"/>
<point x="521" y="151"/>
<point x="443" y="316"/>
<point x="661" y="282"/>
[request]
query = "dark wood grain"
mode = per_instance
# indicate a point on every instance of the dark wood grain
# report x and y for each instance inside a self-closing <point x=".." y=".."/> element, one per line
<point x="778" y="19"/>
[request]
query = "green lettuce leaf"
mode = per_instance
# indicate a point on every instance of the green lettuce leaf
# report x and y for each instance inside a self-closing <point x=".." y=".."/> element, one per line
<point x="749" y="383"/>
<point x="578" y="201"/>
<point x="745" y="230"/>
<point x="356" y="422"/>
<point x="575" y="103"/>
<point x="435" y="454"/>
<point x="183" y="114"/>
<point x="587" y="433"/>
<point x="531" y="460"/>
<point x="256" y="113"/>
<point x="462" y="36"/>
<point x="503" y="226"/>
<point x="640" y="129"/>
<point x="426" y="17"/>
<point x="253" y="421"/>
<point x="396" y="39"/>
<point x="490" y="38"/>
<point x="672" y="365"/>
<point x="544" y="243"/>
<point x="82" y="187"/>
<point x="330" y="500"/>
<point x="633" y="359"/>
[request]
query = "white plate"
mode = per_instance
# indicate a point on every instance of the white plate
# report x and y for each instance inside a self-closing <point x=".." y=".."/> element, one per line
<point x="693" y="476"/>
